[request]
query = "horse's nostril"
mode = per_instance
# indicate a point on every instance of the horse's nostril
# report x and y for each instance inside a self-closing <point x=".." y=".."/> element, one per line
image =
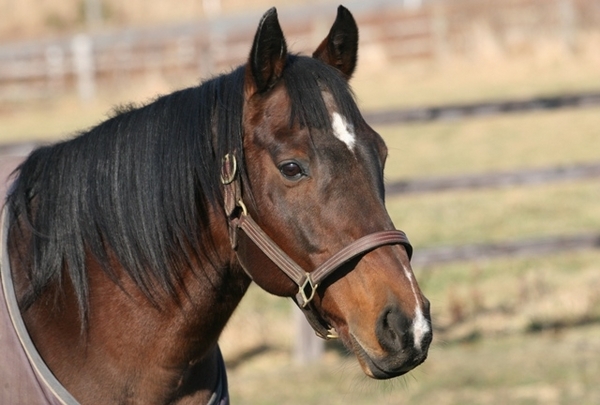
<point x="393" y="330"/>
<point x="387" y="329"/>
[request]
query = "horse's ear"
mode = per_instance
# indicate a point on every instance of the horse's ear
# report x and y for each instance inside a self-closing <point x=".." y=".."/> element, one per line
<point x="340" y="48"/>
<point x="268" y="54"/>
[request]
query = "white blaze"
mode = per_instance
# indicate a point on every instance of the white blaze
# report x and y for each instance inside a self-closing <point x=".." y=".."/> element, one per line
<point x="420" y="324"/>
<point x="343" y="130"/>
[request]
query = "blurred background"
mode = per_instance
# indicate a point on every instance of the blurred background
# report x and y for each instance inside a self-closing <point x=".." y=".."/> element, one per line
<point x="491" y="111"/>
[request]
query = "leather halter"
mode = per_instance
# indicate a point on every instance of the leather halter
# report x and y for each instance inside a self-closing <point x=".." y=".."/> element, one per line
<point x="307" y="282"/>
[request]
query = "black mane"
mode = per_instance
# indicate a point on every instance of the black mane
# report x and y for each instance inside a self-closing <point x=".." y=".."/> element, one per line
<point x="140" y="184"/>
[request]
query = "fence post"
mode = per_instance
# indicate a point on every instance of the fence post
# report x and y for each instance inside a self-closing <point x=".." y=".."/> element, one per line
<point x="440" y="31"/>
<point x="566" y="13"/>
<point x="83" y="61"/>
<point x="307" y="346"/>
<point x="55" y="65"/>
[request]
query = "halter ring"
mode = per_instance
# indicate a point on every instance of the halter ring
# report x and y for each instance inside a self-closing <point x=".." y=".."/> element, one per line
<point x="302" y="291"/>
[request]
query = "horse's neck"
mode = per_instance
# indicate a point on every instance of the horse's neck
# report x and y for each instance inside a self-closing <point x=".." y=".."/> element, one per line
<point x="132" y="347"/>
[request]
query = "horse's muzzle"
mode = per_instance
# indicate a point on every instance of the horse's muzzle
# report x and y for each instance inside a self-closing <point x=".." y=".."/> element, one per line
<point x="405" y="343"/>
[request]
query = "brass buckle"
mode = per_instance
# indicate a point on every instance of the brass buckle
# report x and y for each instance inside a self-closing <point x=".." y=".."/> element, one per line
<point x="332" y="334"/>
<point x="241" y="204"/>
<point x="307" y="297"/>
<point x="228" y="169"/>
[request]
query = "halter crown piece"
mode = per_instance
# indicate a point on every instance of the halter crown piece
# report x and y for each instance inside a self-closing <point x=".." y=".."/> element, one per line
<point x="307" y="281"/>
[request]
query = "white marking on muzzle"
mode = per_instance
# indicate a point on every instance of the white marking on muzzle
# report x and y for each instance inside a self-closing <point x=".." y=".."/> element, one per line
<point x="343" y="130"/>
<point x="420" y="325"/>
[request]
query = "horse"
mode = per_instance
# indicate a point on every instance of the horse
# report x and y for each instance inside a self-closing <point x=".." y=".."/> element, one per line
<point x="128" y="247"/>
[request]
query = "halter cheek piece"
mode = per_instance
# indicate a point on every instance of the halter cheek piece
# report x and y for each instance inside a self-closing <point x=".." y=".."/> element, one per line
<point x="307" y="282"/>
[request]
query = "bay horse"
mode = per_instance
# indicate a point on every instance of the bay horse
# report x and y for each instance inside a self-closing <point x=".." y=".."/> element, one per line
<point x="129" y="246"/>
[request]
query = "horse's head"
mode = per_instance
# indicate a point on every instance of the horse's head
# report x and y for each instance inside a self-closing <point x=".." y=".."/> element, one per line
<point x="315" y="186"/>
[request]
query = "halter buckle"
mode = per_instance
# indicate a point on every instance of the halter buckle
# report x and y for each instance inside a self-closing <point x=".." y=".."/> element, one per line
<point x="307" y="290"/>
<point x="228" y="169"/>
<point x="331" y="334"/>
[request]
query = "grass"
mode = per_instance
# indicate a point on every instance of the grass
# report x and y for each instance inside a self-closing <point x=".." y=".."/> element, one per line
<point x="460" y="217"/>
<point x="467" y="80"/>
<point x="495" y="144"/>
<point x="500" y="143"/>
<point x="514" y="295"/>
<point x="519" y="369"/>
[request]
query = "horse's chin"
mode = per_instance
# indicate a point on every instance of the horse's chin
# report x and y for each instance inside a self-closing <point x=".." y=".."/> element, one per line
<point x="385" y="367"/>
<point x="371" y="369"/>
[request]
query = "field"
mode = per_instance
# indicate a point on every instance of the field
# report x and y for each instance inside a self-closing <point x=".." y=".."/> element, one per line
<point x="510" y="330"/>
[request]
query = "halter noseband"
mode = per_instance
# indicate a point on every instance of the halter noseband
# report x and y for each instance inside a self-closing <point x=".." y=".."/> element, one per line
<point x="307" y="282"/>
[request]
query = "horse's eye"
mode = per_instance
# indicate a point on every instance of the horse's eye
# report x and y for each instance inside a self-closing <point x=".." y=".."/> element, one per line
<point x="291" y="170"/>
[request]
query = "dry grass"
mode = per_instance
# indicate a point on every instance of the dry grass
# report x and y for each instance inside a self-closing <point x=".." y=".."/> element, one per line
<point x="463" y="82"/>
<point x="500" y="143"/>
<point x="456" y="218"/>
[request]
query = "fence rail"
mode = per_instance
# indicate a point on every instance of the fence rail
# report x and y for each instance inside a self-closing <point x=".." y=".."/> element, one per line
<point x="498" y="179"/>
<point x="458" y="111"/>
<point x="427" y="257"/>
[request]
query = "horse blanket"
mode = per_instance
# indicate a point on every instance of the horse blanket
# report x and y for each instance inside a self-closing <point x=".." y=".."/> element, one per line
<point x="24" y="377"/>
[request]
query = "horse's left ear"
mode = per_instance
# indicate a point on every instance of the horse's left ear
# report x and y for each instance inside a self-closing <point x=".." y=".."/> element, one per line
<point x="340" y="48"/>
<point x="268" y="54"/>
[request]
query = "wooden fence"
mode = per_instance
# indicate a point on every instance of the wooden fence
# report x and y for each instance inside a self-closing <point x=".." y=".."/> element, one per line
<point x="391" y="31"/>
<point x="479" y="109"/>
